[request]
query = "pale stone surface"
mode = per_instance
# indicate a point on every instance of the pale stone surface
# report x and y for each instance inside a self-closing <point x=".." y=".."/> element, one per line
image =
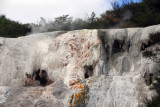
<point x="113" y="55"/>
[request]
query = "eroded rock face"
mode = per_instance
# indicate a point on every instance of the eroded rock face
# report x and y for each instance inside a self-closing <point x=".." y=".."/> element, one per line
<point x="108" y="64"/>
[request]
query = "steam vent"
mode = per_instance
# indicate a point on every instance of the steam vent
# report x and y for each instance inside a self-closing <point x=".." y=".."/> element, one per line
<point x="81" y="68"/>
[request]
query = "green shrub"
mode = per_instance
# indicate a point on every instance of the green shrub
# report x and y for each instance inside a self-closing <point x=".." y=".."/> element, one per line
<point x="155" y="102"/>
<point x="9" y="28"/>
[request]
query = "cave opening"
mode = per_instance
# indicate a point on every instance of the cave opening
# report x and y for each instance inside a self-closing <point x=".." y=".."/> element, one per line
<point x="42" y="77"/>
<point x="117" y="46"/>
<point x="88" y="71"/>
<point x="144" y="46"/>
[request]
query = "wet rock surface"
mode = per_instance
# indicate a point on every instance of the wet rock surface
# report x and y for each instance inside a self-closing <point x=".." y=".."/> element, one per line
<point x="92" y="68"/>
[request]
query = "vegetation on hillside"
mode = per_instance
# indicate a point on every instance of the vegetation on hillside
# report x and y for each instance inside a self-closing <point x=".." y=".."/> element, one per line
<point x="126" y="14"/>
<point x="131" y="14"/>
<point x="9" y="28"/>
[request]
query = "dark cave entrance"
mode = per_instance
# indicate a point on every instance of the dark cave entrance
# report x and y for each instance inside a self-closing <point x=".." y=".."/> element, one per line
<point x="37" y="77"/>
<point x="88" y="71"/>
<point x="144" y="46"/>
<point x="118" y="46"/>
<point x="42" y="77"/>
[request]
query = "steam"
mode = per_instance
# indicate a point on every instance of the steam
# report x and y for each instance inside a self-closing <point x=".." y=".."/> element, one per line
<point x="62" y="23"/>
<point x="66" y="23"/>
<point x="126" y="16"/>
<point x="41" y="27"/>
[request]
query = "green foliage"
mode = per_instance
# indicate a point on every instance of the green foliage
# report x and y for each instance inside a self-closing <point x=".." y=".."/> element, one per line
<point x="9" y="28"/>
<point x="155" y="102"/>
<point x="149" y="13"/>
<point x="63" y="22"/>
<point x="79" y="24"/>
<point x="145" y="13"/>
<point x="126" y="14"/>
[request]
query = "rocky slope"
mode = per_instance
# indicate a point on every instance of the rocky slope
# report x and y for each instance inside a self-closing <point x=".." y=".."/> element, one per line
<point x="93" y="68"/>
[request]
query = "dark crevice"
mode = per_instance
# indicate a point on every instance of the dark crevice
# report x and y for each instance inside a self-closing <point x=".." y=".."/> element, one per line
<point x="88" y="71"/>
<point x="148" y="78"/>
<point x="153" y="39"/>
<point x="117" y="46"/>
<point x="41" y="76"/>
<point x="144" y="46"/>
<point x="105" y="44"/>
<point x="105" y="50"/>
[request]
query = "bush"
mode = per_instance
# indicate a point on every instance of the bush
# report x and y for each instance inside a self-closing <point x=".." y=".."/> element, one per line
<point x="155" y="102"/>
<point x="9" y="28"/>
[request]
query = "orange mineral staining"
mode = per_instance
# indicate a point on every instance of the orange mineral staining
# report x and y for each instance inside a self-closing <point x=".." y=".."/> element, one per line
<point x="71" y="82"/>
<point x="29" y="82"/>
<point x="77" y="98"/>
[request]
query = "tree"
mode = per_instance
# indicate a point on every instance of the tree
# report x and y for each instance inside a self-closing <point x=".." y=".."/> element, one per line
<point x="79" y="24"/>
<point x="92" y="18"/>
<point x="63" y="22"/>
